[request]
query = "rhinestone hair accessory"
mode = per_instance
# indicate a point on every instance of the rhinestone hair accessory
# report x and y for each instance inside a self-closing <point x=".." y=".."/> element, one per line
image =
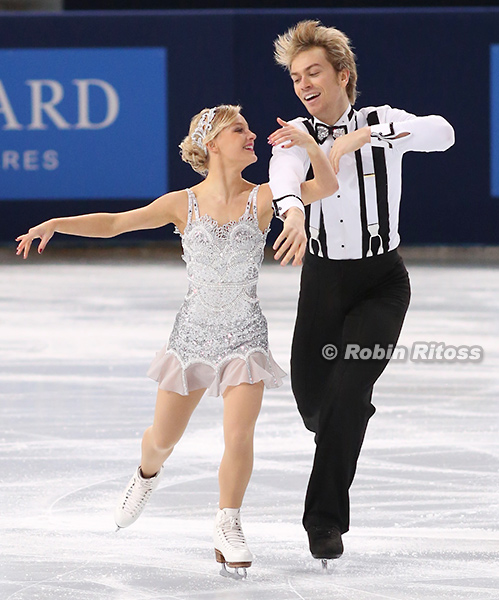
<point x="202" y="129"/>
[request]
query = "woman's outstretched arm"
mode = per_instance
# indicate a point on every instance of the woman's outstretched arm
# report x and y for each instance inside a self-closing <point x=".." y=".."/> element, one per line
<point x="165" y="209"/>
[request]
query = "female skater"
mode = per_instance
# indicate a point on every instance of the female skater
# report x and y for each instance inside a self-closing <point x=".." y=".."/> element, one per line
<point x="219" y="342"/>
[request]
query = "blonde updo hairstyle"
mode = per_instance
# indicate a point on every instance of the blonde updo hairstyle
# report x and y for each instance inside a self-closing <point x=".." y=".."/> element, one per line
<point x="192" y="152"/>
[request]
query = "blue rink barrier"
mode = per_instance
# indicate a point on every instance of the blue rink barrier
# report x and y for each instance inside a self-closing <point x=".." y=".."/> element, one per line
<point x="94" y="105"/>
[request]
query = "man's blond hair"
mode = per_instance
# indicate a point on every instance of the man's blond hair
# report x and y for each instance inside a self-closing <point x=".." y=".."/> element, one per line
<point x="312" y="34"/>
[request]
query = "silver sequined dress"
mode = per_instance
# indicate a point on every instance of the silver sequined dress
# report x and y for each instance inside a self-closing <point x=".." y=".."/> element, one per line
<point x="220" y="334"/>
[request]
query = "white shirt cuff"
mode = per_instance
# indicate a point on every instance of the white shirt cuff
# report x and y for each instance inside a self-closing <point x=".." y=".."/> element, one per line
<point x="382" y="135"/>
<point x="281" y="205"/>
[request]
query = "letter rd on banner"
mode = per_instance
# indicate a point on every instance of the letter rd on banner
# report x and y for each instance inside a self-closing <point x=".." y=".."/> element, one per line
<point x="83" y="123"/>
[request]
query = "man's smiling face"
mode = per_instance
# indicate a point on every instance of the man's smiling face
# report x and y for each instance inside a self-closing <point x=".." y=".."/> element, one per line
<point x="319" y="86"/>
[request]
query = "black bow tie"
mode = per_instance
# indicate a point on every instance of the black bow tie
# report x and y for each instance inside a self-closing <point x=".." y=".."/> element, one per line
<point x="322" y="132"/>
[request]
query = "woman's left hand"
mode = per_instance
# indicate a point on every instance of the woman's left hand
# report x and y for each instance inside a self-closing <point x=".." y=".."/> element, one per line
<point x="292" y="241"/>
<point x="289" y="135"/>
<point x="349" y="142"/>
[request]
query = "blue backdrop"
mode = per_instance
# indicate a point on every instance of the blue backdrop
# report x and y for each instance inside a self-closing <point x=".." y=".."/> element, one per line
<point x="423" y="60"/>
<point x="75" y="127"/>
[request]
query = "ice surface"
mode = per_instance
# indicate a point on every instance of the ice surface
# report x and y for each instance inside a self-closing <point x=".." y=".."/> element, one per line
<point x="75" y="343"/>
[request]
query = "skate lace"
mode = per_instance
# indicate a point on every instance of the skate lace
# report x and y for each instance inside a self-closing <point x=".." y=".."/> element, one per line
<point x="233" y="532"/>
<point x="136" y="496"/>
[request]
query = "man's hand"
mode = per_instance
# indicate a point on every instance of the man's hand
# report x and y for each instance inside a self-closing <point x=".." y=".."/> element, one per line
<point x="349" y="142"/>
<point x="292" y="240"/>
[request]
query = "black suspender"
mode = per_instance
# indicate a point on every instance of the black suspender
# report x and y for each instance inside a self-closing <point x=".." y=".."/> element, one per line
<point x="362" y="200"/>
<point x="381" y="175"/>
<point x="310" y="128"/>
<point x="375" y="235"/>
<point x="317" y="242"/>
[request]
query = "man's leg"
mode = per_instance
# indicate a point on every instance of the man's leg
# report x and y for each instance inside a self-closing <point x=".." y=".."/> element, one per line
<point x="346" y="412"/>
<point x="319" y="321"/>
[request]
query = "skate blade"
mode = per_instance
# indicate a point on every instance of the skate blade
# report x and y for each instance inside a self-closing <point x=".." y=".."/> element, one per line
<point x="326" y="566"/>
<point x="238" y="573"/>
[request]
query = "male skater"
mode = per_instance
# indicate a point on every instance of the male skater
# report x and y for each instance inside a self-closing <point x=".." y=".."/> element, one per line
<point x="354" y="285"/>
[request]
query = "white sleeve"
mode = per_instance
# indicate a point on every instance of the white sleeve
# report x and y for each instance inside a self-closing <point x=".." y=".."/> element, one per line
<point x="287" y="170"/>
<point x="426" y="134"/>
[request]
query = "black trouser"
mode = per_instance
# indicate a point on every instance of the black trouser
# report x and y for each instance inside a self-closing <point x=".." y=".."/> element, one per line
<point x="342" y="302"/>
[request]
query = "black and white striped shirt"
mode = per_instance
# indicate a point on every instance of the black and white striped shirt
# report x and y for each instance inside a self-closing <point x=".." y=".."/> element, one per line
<point x="361" y="218"/>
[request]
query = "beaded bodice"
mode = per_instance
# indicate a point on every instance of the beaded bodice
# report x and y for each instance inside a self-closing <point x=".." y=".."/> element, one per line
<point x="223" y="261"/>
<point x="221" y="316"/>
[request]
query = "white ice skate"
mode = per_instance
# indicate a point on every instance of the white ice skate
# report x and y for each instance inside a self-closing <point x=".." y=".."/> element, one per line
<point x="135" y="497"/>
<point x="230" y="545"/>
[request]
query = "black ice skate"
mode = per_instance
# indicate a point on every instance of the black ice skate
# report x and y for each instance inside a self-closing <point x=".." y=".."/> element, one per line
<point x="325" y="543"/>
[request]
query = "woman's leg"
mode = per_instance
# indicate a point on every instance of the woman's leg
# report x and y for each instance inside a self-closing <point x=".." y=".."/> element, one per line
<point x="172" y="414"/>
<point x="171" y="417"/>
<point x="242" y="405"/>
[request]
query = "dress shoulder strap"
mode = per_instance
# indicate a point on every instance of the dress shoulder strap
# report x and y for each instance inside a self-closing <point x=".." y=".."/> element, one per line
<point x="251" y="205"/>
<point x="193" y="206"/>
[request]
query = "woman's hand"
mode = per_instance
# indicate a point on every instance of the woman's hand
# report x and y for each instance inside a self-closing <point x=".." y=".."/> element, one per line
<point x="292" y="241"/>
<point x="349" y="142"/>
<point x="292" y="135"/>
<point x="44" y="231"/>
